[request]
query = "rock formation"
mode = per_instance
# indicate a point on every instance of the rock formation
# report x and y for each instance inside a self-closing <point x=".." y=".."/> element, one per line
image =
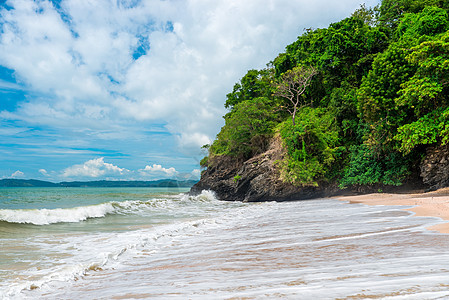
<point x="256" y="179"/>
<point x="435" y="167"/>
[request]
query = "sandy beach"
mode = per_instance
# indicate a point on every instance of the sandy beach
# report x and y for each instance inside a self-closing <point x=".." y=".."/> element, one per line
<point x="431" y="204"/>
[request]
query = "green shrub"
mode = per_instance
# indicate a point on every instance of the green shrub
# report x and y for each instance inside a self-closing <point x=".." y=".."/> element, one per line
<point x="247" y="129"/>
<point x="204" y="162"/>
<point x="368" y="168"/>
<point x="311" y="146"/>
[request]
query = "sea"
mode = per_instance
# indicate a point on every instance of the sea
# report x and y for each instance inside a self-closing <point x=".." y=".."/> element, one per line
<point x="161" y="243"/>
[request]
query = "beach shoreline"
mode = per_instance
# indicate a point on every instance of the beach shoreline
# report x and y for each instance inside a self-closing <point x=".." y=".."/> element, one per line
<point x="430" y="204"/>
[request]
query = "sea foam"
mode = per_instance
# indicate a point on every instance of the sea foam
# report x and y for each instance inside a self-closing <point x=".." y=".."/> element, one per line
<point x="58" y="215"/>
<point x="46" y="216"/>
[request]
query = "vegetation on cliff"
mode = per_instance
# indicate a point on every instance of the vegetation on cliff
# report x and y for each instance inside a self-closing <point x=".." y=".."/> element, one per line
<point x="376" y="98"/>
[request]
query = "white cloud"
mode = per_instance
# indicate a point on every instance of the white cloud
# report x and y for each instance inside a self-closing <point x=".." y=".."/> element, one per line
<point x="17" y="174"/>
<point x="196" y="173"/>
<point x="43" y="172"/>
<point x="93" y="168"/>
<point x="6" y="85"/>
<point x="158" y="171"/>
<point x="192" y="142"/>
<point x="80" y="59"/>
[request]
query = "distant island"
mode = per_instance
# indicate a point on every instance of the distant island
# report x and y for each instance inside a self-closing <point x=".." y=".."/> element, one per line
<point x="100" y="183"/>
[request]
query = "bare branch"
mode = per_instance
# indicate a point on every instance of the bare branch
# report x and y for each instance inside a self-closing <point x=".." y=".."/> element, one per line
<point x="293" y="84"/>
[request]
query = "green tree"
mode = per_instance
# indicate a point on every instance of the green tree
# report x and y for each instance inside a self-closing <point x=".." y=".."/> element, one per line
<point x="247" y="129"/>
<point x="365" y="167"/>
<point x="378" y="91"/>
<point x="426" y="95"/>
<point x="311" y="144"/>
<point x="368" y="15"/>
<point x="341" y="53"/>
<point x="392" y="11"/>
<point x="418" y="26"/>
<point x="253" y="85"/>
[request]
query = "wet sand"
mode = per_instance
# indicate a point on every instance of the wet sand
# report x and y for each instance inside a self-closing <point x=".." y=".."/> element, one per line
<point x="431" y="204"/>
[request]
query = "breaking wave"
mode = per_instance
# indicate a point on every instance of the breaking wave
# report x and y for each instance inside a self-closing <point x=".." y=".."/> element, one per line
<point x="78" y="214"/>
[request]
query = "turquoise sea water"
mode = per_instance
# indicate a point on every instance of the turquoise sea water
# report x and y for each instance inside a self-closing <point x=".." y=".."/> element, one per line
<point x="134" y="243"/>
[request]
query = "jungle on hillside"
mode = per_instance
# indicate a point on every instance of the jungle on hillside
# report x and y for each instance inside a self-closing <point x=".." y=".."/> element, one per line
<point x="356" y="103"/>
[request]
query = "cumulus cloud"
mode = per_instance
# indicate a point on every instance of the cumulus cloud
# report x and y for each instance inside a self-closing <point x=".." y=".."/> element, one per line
<point x="158" y="171"/>
<point x="17" y="174"/>
<point x="99" y="169"/>
<point x="92" y="169"/>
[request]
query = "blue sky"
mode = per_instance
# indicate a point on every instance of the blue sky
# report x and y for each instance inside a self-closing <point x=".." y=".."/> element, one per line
<point x="128" y="89"/>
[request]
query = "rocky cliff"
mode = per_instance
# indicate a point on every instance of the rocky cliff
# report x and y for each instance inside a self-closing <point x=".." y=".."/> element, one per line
<point x="256" y="179"/>
<point x="435" y="167"/>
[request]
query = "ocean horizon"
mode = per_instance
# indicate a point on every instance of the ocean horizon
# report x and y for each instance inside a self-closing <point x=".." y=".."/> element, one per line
<point x="158" y="243"/>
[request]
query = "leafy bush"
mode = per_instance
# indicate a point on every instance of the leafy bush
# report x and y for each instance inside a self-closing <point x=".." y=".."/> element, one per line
<point x="204" y="162"/>
<point x="301" y="173"/>
<point x="311" y="145"/>
<point x="247" y="129"/>
<point x="367" y="168"/>
<point x="432" y="20"/>
<point x="237" y="178"/>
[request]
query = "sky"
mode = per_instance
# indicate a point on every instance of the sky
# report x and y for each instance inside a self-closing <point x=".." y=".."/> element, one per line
<point x="129" y="89"/>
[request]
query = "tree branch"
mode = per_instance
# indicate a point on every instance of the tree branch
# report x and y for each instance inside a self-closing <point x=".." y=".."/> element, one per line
<point x="293" y="85"/>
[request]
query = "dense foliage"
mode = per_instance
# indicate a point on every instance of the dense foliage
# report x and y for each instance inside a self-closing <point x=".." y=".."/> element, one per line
<point x="377" y="98"/>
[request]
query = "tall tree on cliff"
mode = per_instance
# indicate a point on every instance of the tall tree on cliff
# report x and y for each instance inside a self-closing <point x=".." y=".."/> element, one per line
<point x="292" y="86"/>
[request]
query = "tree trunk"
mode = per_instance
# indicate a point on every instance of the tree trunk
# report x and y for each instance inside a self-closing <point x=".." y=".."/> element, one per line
<point x="293" y="116"/>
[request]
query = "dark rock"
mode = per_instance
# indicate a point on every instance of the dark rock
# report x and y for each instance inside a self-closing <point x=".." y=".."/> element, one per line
<point x="256" y="179"/>
<point x="435" y="167"/>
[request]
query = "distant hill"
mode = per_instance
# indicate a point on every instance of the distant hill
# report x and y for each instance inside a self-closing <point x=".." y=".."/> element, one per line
<point x="26" y="183"/>
<point x="100" y="183"/>
<point x="106" y="183"/>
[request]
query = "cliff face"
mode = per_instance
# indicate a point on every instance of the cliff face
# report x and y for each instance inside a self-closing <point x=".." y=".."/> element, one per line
<point x="256" y="179"/>
<point x="435" y="167"/>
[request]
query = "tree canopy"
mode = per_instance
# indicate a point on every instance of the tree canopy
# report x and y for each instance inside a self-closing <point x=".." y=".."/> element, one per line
<point x="373" y="96"/>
